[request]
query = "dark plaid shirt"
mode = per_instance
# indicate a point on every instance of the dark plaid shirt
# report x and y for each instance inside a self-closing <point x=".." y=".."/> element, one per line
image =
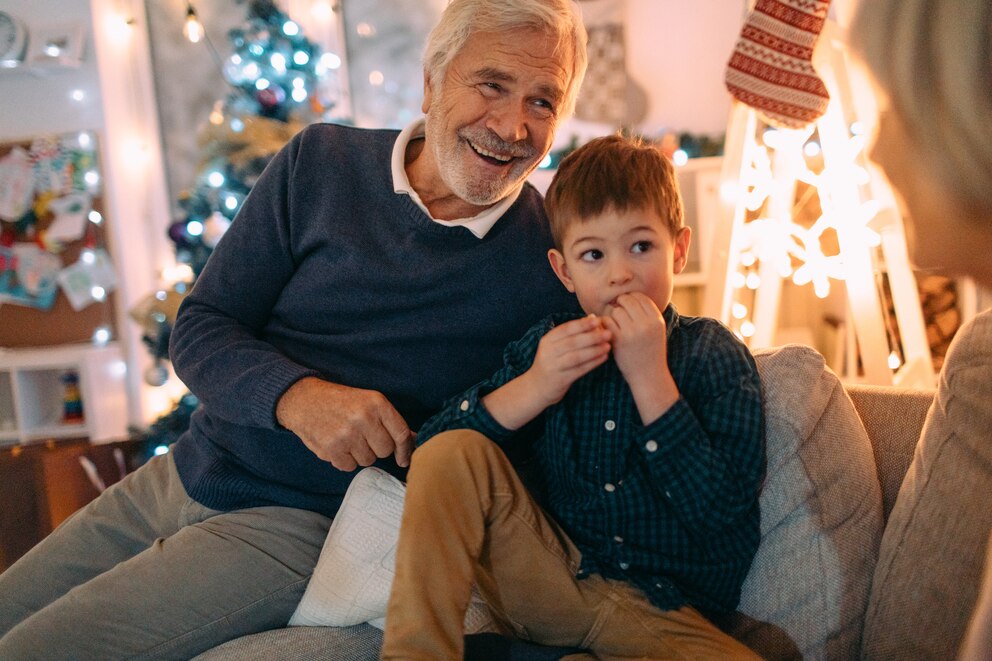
<point x="671" y="507"/>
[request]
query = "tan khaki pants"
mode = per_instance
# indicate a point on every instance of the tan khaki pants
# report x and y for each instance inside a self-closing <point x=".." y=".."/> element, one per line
<point x="468" y="518"/>
<point x="145" y="572"/>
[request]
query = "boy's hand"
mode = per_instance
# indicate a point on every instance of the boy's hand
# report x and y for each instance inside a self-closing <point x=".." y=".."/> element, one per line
<point x="639" y="334"/>
<point x="566" y="353"/>
<point x="640" y="347"/>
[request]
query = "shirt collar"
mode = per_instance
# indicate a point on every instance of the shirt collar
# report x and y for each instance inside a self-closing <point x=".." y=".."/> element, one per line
<point x="478" y="224"/>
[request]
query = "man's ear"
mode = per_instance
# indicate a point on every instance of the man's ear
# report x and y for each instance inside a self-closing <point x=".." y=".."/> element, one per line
<point x="561" y="270"/>
<point x="427" y="92"/>
<point x="681" y="253"/>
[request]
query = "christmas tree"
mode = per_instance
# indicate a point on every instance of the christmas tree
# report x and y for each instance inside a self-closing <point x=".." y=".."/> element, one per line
<point x="273" y="72"/>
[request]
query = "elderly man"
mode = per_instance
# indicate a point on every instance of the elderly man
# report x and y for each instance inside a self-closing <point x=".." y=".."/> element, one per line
<point x="369" y="275"/>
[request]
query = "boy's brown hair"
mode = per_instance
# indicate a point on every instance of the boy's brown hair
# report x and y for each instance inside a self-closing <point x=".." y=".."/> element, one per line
<point x="612" y="172"/>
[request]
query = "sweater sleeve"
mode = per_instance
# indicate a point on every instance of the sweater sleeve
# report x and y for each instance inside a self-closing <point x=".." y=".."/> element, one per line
<point x="216" y="346"/>
<point x="467" y="411"/>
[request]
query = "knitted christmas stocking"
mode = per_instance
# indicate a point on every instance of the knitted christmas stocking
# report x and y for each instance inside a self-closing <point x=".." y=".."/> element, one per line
<point x="771" y="68"/>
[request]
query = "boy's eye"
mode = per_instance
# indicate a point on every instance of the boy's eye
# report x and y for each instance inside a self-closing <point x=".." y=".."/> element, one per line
<point x="641" y="246"/>
<point x="591" y="255"/>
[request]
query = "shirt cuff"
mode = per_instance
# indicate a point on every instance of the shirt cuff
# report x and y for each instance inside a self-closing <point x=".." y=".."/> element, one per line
<point x="664" y="434"/>
<point x="470" y="413"/>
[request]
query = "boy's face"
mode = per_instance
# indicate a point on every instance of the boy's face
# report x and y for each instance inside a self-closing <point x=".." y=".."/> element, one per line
<point x="617" y="253"/>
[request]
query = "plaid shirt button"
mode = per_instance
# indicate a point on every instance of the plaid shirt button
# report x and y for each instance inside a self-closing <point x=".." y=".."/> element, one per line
<point x="618" y="539"/>
<point x="464" y="405"/>
<point x="651" y="446"/>
<point x="609" y="487"/>
<point x="624" y="565"/>
<point x="610" y="425"/>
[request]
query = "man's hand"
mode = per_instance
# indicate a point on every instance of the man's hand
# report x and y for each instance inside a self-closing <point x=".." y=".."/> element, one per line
<point x="349" y="427"/>
<point x="640" y="347"/>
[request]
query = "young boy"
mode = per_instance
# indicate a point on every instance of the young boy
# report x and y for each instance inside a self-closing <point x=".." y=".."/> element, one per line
<point x="648" y="431"/>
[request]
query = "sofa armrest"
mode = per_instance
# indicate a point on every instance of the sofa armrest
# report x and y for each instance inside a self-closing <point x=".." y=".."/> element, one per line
<point x="893" y="418"/>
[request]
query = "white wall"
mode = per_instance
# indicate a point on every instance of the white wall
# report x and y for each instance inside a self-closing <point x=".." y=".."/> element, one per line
<point x="677" y="50"/>
<point x="36" y="100"/>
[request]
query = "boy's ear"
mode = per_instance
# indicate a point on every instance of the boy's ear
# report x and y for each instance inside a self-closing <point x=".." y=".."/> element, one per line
<point x="681" y="249"/>
<point x="561" y="270"/>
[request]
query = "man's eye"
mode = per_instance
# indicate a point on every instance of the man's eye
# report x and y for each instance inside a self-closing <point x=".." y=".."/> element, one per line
<point x="544" y="107"/>
<point x="641" y="246"/>
<point x="591" y="255"/>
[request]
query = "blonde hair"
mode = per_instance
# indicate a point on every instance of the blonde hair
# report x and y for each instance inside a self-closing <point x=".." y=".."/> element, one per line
<point x="462" y="18"/>
<point x="933" y="60"/>
<point x="612" y="172"/>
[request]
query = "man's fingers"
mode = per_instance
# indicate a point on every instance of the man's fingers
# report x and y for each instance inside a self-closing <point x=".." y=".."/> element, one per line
<point x="362" y="452"/>
<point x="403" y="451"/>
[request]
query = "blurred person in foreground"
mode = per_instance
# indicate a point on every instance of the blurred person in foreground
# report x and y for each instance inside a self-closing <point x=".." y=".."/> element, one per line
<point x="931" y="64"/>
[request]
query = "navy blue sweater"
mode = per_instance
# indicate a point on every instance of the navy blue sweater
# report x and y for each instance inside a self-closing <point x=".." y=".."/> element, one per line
<point x="327" y="272"/>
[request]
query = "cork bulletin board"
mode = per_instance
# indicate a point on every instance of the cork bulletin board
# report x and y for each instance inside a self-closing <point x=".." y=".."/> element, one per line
<point x="51" y="211"/>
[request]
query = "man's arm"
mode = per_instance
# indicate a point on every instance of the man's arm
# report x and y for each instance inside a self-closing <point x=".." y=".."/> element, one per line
<point x="217" y="350"/>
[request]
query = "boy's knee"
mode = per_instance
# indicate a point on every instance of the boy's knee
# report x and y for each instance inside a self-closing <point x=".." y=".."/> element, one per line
<point x="454" y="448"/>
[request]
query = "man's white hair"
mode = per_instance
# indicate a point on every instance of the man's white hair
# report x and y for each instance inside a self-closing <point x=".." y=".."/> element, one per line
<point x="462" y="18"/>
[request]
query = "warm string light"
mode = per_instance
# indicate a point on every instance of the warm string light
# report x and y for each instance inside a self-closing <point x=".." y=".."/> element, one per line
<point x="775" y="243"/>
<point x="192" y="28"/>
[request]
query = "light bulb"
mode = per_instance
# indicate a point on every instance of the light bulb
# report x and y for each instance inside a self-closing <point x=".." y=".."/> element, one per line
<point x="192" y="28"/>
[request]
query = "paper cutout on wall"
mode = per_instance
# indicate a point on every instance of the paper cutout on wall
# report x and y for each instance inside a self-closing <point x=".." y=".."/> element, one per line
<point x="28" y="276"/>
<point x="16" y="184"/>
<point x="89" y="280"/>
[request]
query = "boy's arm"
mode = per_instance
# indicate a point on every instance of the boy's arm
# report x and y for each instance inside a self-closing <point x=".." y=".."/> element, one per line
<point x="538" y="370"/>
<point x="565" y="354"/>
<point x="641" y="352"/>
<point x="706" y="459"/>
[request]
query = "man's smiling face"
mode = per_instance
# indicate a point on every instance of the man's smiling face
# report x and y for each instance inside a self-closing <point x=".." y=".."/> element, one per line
<point x="493" y="118"/>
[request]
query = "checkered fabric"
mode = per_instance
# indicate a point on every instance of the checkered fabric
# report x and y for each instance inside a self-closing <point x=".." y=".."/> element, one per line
<point x="672" y="506"/>
<point x="771" y="68"/>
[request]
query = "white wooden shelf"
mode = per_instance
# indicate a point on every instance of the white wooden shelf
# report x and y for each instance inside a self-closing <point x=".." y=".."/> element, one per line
<point x="32" y="393"/>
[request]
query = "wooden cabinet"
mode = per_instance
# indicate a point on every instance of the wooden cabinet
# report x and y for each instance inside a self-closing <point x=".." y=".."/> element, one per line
<point x="43" y="484"/>
<point x="35" y="396"/>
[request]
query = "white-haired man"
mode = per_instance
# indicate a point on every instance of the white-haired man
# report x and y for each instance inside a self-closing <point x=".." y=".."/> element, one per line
<point x="369" y="275"/>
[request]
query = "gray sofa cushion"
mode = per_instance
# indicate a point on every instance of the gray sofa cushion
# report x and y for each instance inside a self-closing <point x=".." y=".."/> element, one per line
<point x="358" y="643"/>
<point x="930" y="565"/>
<point x="821" y="516"/>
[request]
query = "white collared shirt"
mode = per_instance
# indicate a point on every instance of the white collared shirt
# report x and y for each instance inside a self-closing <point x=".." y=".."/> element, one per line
<point x="478" y="224"/>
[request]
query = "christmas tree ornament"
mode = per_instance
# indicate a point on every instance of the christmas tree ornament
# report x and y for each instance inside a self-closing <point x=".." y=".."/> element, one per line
<point x="156" y="375"/>
<point x="771" y="68"/>
<point x="214" y="229"/>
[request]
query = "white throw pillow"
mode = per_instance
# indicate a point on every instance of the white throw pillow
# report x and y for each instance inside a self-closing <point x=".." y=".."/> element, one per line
<point x="354" y="574"/>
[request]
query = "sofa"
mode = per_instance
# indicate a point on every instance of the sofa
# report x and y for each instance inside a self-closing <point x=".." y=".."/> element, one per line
<point x="838" y="456"/>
